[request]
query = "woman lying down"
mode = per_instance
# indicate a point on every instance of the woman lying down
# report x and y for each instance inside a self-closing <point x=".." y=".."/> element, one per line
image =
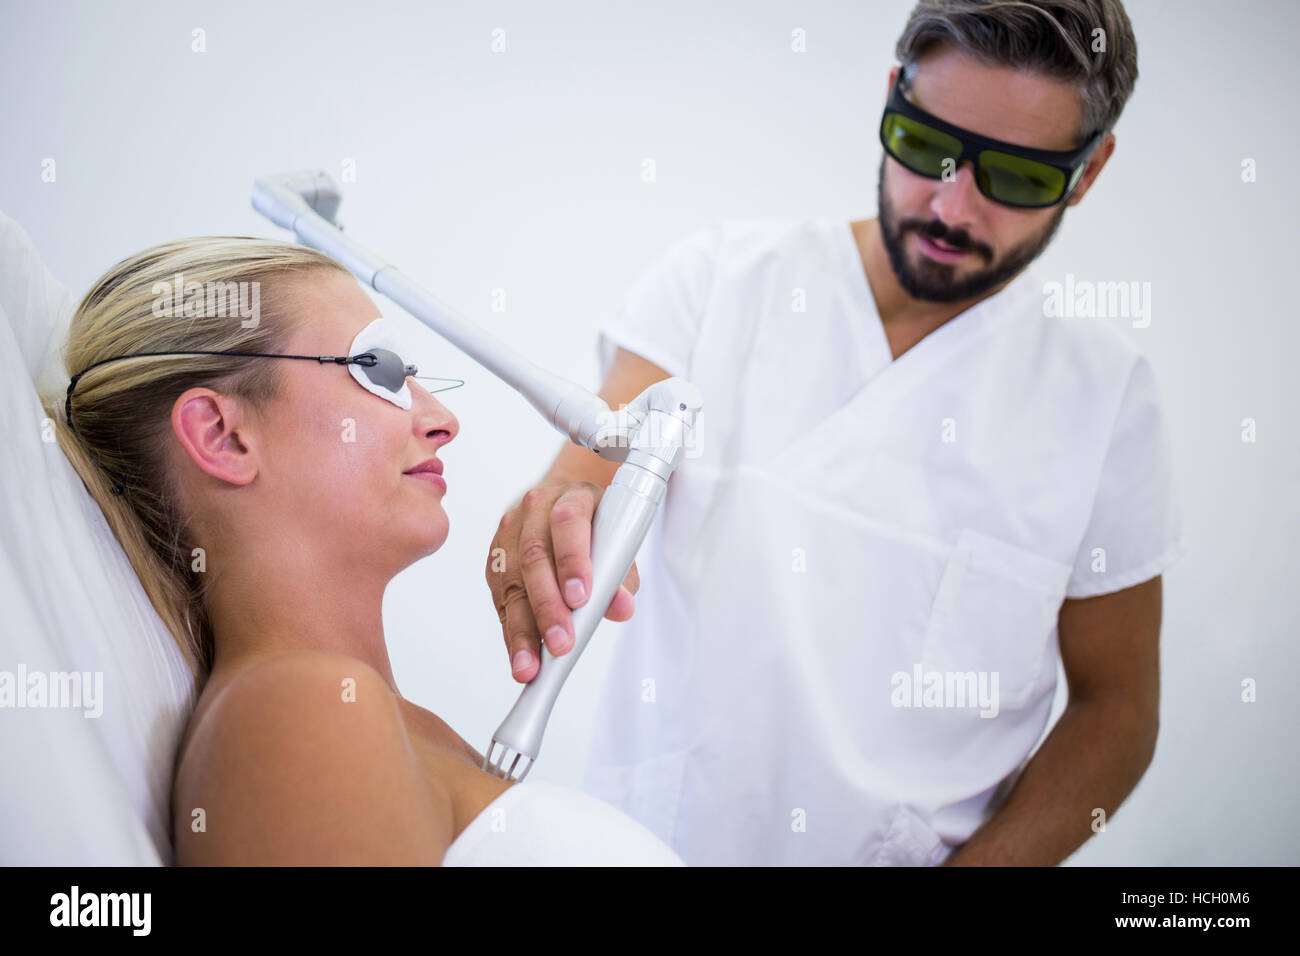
<point x="301" y="750"/>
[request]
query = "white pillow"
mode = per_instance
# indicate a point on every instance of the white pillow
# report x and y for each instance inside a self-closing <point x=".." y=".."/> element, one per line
<point x="77" y="790"/>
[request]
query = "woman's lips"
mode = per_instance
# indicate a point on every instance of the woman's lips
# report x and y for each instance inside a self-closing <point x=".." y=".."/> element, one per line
<point x="429" y="477"/>
<point x="935" y="251"/>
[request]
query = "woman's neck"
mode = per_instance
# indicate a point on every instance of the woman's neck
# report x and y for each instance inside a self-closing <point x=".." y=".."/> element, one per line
<point x="281" y="600"/>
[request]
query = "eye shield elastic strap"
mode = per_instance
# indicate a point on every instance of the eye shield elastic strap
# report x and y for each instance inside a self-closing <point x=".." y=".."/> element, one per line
<point x="382" y="362"/>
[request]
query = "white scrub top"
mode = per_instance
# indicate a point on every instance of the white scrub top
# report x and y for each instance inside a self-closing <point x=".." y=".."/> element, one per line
<point x="850" y="529"/>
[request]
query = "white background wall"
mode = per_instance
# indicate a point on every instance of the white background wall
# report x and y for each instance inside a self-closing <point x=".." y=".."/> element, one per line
<point x="521" y="170"/>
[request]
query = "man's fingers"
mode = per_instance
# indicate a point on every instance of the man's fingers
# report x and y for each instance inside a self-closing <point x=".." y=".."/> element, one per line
<point x="510" y="596"/>
<point x="546" y="540"/>
<point x="522" y="643"/>
<point x="571" y="519"/>
<point x="622" y="606"/>
<point x="502" y="571"/>
<point x="553" y="619"/>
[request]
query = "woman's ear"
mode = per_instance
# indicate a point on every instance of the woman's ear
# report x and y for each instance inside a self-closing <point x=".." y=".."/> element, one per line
<point x="216" y="434"/>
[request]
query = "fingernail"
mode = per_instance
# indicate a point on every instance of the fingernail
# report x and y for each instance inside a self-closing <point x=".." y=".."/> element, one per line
<point x="574" y="590"/>
<point x="558" y="638"/>
<point x="521" y="660"/>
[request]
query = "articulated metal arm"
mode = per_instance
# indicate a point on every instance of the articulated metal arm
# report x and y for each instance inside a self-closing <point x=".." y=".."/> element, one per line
<point x="647" y="436"/>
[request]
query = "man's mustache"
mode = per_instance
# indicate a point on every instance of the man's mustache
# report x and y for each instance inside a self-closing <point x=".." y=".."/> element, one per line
<point x="956" y="238"/>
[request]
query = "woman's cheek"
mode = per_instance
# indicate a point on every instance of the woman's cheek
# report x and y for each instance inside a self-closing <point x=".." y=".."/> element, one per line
<point x="332" y="445"/>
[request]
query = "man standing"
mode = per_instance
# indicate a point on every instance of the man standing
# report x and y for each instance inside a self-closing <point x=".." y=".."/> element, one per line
<point x="917" y="491"/>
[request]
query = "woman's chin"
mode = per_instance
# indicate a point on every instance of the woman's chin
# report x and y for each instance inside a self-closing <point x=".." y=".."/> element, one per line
<point x="422" y="528"/>
<point x="431" y="535"/>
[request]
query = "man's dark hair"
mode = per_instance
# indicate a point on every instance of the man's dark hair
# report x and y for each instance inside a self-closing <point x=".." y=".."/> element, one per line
<point x="1057" y="38"/>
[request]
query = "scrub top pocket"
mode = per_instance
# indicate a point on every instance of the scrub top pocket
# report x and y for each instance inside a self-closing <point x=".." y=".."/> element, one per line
<point x="995" y="610"/>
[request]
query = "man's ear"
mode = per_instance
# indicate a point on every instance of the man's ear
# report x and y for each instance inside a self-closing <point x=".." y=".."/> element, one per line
<point x="214" y="431"/>
<point x="1092" y="169"/>
<point x="893" y="72"/>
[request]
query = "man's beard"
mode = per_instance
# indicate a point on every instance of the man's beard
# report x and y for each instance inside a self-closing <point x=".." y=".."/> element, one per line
<point x="933" y="281"/>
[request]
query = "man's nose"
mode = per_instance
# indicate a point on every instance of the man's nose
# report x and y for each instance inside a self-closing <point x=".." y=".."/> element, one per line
<point x="956" y="201"/>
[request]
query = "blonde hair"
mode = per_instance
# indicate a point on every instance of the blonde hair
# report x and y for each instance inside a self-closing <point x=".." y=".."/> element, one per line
<point x="121" y="410"/>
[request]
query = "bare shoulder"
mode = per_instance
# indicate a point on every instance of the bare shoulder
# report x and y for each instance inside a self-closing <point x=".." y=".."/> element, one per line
<point x="304" y="758"/>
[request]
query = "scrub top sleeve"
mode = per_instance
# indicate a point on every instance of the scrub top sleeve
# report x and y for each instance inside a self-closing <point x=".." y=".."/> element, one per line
<point x="661" y="315"/>
<point x="1135" y="531"/>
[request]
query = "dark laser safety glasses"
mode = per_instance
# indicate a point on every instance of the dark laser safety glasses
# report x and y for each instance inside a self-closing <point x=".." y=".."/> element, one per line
<point x="1006" y="173"/>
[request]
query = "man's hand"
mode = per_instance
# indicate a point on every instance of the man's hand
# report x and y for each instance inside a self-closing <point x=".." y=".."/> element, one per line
<point x="539" y="569"/>
<point x="1098" y="751"/>
<point x="544" y="541"/>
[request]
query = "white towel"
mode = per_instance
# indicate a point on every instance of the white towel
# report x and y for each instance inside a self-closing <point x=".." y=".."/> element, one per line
<point x="537" y="823"/>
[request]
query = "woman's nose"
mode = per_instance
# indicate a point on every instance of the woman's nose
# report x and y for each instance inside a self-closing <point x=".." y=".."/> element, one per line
<point x="432" y="416"/>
